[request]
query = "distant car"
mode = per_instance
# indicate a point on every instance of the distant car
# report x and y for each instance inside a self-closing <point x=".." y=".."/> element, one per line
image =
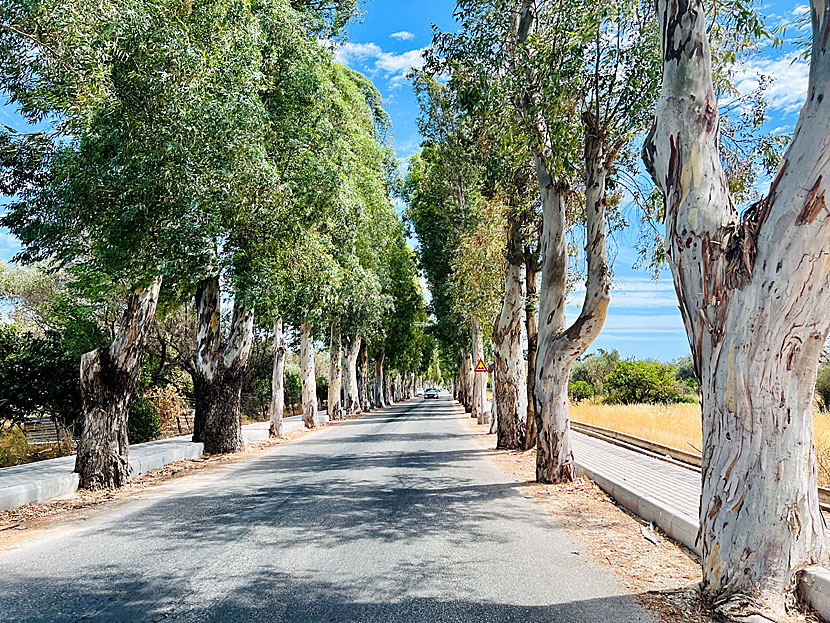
<point x="431" y="393"/>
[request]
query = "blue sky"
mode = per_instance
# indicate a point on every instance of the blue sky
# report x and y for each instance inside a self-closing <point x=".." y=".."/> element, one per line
<point x="643" y="317"/>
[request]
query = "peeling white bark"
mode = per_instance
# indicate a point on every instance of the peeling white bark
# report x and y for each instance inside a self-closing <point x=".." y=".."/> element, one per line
<point x="754" y="293"/>
<point x="335" y="406"/>
<point x="353" y="405"/>
<point x="278" y="380"/>
<point x="220" y="370"/>
<point x="510" y="373"/>
<point x="108" y="379"/>
<point x="308" y="376"/>
<point x="494" y="408"/>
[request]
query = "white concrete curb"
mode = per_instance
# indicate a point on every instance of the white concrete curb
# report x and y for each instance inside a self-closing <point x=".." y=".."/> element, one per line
<point x="814" y="583"/>
<point x="677" y="525"/>
<point x="44" y="480"/>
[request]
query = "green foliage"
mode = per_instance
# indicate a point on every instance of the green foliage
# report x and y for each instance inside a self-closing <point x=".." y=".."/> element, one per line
<point x="823" y="388"/>
<point x="635" y="382"/>
<point x="293" y="383"/>
<point x="685" y="373"/>
<point x="595" y="368"/>
<point x="143" y="424"/>
<point x="580" y="390"/>
<point x="156" y="149"/>
<point x="38" y="374"/>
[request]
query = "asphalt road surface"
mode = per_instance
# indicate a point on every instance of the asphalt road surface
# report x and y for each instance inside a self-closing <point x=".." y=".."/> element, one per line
<point x="394" y="517"/>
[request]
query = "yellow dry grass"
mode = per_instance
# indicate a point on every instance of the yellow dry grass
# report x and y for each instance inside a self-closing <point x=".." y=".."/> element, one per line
<point x="678" y="426"/>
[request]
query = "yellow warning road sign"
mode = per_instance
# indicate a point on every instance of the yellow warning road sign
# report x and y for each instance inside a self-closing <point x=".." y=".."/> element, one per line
<point x="481" y="367"/>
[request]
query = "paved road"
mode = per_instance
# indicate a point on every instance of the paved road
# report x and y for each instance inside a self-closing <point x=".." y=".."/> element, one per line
<point x="394" y="517"/>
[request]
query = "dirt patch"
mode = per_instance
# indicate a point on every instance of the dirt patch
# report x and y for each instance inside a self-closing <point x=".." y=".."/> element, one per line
<point x="662" y="574"/>
<point x="26" y="522"/>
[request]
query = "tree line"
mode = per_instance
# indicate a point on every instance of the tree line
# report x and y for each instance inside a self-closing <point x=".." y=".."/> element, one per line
<point x="547" y="127"/>
<point x="208" y="177"/>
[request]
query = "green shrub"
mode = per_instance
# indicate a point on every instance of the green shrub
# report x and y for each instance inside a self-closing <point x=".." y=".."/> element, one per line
<point x="143" y="424"/>
<point x="580" y="390"/>
<point x="823" y="388"/>
<point x="595" y="368"/>
<point x="38" y="373"/>
<point x="684" y="372"/>
<point x="293" y="383"/>
<point x="634" y="382"/>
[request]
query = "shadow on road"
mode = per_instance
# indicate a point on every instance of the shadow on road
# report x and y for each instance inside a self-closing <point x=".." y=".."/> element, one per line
<point x="274" y="596"/>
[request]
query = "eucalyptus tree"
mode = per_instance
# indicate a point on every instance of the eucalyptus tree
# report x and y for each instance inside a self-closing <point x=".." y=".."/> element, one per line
<point x="589" y="70"/>
<point x="154" y="119"/>
<point x="369" y="180"/>
<point x="299" y="135"/>
<point x="479" y="58"/>
<point x="753" y="292"/>
<point x="478" y="289"/>
<point x="404" y="322"/>
<point x="442" y="191"/>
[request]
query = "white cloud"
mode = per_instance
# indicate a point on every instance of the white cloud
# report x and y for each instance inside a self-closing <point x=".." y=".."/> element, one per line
<point x="789" y="90"/>
<point x="370" y="57"/>
<point x="402" y="36"/>
<point x="635" y="293"/>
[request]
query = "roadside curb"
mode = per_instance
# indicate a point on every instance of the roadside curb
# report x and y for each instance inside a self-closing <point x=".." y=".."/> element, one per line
<point x="46" y="480"/>
<point x="814" y="582"/>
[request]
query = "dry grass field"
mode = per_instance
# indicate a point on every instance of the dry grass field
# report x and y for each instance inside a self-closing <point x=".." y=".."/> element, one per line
<point x="678" y="426"/>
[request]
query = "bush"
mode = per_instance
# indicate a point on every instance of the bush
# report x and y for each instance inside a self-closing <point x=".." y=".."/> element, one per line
<point x="595" y="368"/>
<point x="143" y="424"/>
<point x="322" y="389"/>
<point x="580" y="390"/>
<point x="634" y="382"/>
<point x="685" y="373"/>
<point x="38" y="374"/>
<point x="823" y="388"/>
<point x="293" y="384"/>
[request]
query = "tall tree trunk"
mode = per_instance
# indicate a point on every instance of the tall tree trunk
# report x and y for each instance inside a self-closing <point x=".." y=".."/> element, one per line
<point x="461" y="376"/>
<point x="363" y="390"/>
<point x="278" y="380"/>
<point x="387" y="388"/>
<point x="532" y="332"/>
<point x="494" y="406"/>
<point x="220" y="371"/>
<point x="353" y="405"/>
<point x="335" y="408"/>
<point x="754" y="293"/>
<point x="380" y="400"/>
<point x="559" y="346"/>
<point x="108" y="379"/>
<point x="510" y="374"/>
<point x="479" y="378"/>
<point x="466" y="372"/>
<point x="309" y="377"/>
